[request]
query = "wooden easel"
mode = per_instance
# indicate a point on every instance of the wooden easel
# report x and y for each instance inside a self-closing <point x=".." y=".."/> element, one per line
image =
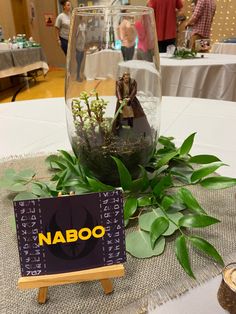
<point x="103" y="274"/>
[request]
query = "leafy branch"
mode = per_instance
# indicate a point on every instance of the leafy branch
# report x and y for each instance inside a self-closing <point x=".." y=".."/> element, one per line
<point x="158" y="200"/>
<point x="184" y="53"/>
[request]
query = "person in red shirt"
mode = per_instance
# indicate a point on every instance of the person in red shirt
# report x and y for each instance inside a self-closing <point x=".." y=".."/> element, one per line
<point x="201" y="20"/>
<point x="165" y="15"/>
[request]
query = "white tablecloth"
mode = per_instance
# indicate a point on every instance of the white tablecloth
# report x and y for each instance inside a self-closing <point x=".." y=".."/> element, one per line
<point x="226" y="48"/>
<point x="30" y="127"/>
<point x="213" y="76"/>
<point x="102" y="64"/>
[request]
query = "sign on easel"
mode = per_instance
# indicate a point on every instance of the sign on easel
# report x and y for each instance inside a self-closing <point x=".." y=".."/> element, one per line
<point x="72" y="233"/>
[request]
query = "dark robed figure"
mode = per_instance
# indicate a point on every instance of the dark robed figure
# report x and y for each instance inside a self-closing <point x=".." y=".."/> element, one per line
<point x="126" y="90"/>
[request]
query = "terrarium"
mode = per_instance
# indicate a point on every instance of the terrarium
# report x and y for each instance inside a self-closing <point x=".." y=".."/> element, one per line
<point x="113" y="88"/>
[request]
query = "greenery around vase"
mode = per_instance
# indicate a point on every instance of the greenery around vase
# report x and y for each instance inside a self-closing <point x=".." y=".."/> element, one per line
<point x="184" y="53"/>
<point x="158" y="201"/>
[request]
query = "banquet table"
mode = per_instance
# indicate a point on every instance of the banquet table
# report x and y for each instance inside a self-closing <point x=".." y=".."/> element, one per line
<point x="225" y="48"/>
<point x="212" y="77"/>
<point x="20" y="61"/>
<point x="33" y="127"/>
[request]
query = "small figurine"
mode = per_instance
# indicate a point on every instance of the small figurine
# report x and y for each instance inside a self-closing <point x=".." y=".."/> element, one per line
<point x="128" y="105"/>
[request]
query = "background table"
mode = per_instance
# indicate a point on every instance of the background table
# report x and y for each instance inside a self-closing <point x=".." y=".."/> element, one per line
<point x="19" y="61"/>
<point x="225" y="48"/>
<point x="213" y="76"/>
<point x="39" y="126"/>
<point x="102" y="64"/>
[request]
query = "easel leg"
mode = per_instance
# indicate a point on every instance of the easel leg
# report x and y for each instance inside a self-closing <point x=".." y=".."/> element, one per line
<point x="107" y="285"/>
<point x="42" y="295"/>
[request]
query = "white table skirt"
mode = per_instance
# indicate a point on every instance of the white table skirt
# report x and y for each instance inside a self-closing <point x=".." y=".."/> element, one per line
<point x="39" y="126"/>
<point x="213" y="77"/>
<point x="225" y="48"/>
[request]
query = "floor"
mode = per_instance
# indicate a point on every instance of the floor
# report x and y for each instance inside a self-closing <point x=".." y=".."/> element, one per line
<point x="52" y="85"/>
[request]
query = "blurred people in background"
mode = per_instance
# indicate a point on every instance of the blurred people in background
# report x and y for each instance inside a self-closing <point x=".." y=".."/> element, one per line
<point x="201" y="20"/>
<point x="62" y="25"/>
<point x="165" y="15"/>
<point x="145" y="38"/>
<point x="80" y="48"/>
<point x="127" y="34"/>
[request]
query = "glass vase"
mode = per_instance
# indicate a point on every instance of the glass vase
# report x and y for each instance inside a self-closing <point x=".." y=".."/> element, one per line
<point x="113" y="88"/>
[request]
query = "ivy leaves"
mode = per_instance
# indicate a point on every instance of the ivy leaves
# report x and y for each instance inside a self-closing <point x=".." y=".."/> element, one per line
<point x="162" y="211"/>
<point x="182" y="254"/>
<point x="158" y="202"/>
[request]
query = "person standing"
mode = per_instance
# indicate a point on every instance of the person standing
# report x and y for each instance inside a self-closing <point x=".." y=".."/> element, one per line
<point x="127" y="34"/>
<point x="80" y="48"/>
<point x="62" y="25"/>
<point x="201" y="20"/>
<point x="165" y="15"/>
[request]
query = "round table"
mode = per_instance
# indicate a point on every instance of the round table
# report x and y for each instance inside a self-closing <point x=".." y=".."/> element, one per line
<point x="225" y="48"/>
<point x="213" y="76"/>
<point x="39" y="126"/>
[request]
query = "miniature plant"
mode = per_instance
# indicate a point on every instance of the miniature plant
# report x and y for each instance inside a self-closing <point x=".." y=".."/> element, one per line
<point x="88" y="115"/>
<point x="159" y="200"/>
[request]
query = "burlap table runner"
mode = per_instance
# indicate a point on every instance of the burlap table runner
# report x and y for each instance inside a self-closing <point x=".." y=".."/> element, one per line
<point x="147" y="283"/>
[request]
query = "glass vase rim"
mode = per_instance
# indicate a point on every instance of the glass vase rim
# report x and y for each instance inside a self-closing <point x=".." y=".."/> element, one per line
<point x="131" y="10"/>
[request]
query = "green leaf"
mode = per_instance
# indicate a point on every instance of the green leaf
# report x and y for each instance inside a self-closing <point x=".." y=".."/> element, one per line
<point x="166" y="202"/>
<point x="197" y="221"/>
<point x="24" y="196"/>
<point x="142" y="183"/>
<point x="6" y="182"/>
<point x="138" y="244"/>
<point x="181" y="252"/>
<point x="40" y="190"/>
<point x="144" y="201"/>
<point x="9" y="173"/>
<point x="98" y="186"/>
<point x="205" y="171"/>
<point x="187" y="145"/>
<point x="146" y="220"/>
<point x="188" y="199"/>
<point x="130" y="207"/>
<point x="158" y="227"/>
<point x="164" y="183"/>
<point x="67" y="156"/>
<point x="51" y="160"/>
<point x="125" y="177"/>
<point x="203" y="159"/>
<point x="161" y="169"/>
<point x="166" y="142"/>
<point x="60" y="165"/>
<point x="176" y="207"/>
<point x="26" y="174"/>
<point x="207" y="248"/>
<point x="17" y="187"/>
<point x="166" y="158"/>
<point x="65" y="175"/>
<point x="218" y="182"/>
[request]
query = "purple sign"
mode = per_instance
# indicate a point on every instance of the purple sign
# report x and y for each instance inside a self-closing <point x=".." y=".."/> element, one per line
<point x="70" y="233"/>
